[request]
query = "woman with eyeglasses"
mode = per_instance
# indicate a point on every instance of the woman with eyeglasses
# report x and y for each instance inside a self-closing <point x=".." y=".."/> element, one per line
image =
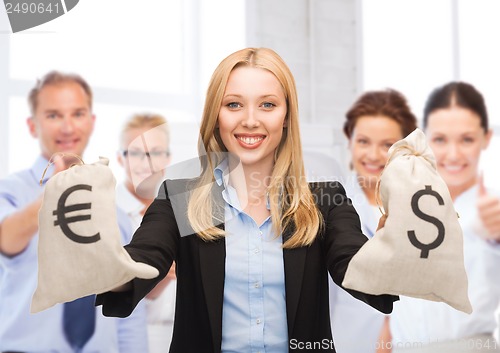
<point x="144" y="155"/>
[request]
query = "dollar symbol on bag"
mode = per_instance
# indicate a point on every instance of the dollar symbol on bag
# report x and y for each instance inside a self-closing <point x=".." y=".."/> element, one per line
<point x="411" y="233"/>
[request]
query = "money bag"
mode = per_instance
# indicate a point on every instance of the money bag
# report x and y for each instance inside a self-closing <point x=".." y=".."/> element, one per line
<point x="79" y="248"/>
<point x="419" y="251"/>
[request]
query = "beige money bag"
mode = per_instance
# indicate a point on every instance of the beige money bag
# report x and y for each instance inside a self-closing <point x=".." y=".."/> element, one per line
<point x="79" y="248"/>
<point x="419" y="251"/>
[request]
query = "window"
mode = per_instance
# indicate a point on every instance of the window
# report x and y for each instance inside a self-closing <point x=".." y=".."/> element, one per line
<point x="151" y="56"/>
<point x="417" y="45"/>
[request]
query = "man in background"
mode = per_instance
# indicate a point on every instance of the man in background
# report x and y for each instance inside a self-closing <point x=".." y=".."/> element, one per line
<point x="62" y="120"/>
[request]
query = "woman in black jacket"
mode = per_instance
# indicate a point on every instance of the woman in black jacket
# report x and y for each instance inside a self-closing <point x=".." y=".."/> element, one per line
<point x="253" y="242"/>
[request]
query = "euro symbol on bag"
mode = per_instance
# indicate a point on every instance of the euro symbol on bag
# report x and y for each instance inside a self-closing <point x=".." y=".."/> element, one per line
<point x="63" y="221"/>
<point x="411" y="233"/>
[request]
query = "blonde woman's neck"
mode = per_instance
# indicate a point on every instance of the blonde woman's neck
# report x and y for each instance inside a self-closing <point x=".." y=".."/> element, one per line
<point x="252" y="178"/>
<point x="251" y="185"/>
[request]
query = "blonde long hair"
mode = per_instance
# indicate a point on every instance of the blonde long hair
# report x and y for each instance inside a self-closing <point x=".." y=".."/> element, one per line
<point x="291" y="201"/>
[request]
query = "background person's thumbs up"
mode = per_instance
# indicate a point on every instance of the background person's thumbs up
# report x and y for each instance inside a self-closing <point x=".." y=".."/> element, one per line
<point x="488" y="207"/>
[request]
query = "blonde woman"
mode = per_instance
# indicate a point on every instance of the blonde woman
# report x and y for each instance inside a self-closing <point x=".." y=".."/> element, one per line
<point x="253" y="242"/>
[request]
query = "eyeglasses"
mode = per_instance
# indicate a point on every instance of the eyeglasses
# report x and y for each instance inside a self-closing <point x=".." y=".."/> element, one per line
<point x="139" y="155"/>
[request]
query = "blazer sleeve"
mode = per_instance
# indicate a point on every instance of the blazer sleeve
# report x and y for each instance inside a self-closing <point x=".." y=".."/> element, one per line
<point x="155" y="243"/>
<point x="343" y="237"/>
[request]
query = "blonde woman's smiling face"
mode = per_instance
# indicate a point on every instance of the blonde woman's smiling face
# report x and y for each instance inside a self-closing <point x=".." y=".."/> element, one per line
<point x="252" y="116"/>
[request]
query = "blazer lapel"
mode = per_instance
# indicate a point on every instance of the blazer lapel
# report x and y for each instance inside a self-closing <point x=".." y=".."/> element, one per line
<point x="212" y="269"/>
<point x="294" y="260"/>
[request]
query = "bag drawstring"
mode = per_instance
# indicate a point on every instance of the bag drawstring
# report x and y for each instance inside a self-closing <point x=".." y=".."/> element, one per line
<point x="393" y="155"/>
<point x="62" y="155"/>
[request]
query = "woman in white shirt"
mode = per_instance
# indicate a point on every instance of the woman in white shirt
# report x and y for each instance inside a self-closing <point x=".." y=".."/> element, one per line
<point x="373" y="123"/>
<point x="456" y="125"/>
<point x="144" y="154"/>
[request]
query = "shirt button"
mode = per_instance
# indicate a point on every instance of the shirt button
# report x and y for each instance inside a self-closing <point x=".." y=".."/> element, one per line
<point x="256" y="250"/>
<point x="258" y="321"/>
<point x="256" y="285"/>
<point x="260" y="232"/>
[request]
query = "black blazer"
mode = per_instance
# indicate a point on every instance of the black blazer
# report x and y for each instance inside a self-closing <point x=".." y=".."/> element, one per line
<point x="200" y="270"/>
